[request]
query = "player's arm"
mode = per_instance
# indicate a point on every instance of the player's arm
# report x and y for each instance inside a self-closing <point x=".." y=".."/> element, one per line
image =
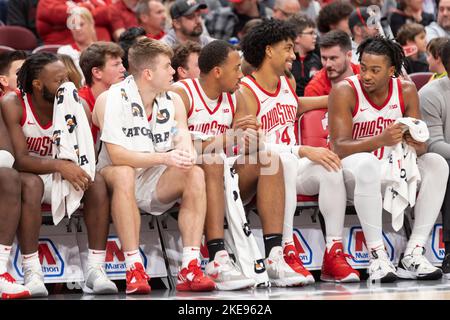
<point x="340" y="120"/>
<point x="216" y="143"/>
<point x="87" y="111"/>
<point x="12" y="113"/>
<point x="183" y="139"/>
<point x="5" y="142"/>
<point x="308" y="103"/>
<point x="411" y="100"/>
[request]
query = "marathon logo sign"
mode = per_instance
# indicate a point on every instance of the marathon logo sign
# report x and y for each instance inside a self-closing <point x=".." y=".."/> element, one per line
<point x="437" y="242"/>
<point x="50" y="258"/>
<point x="115" y="258"/>
<point x="304" y="250"/>
<point x="204" y="254"/>
<point x="357" y="246"/>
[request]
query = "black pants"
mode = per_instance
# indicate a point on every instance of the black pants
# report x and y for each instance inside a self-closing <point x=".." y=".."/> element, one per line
<point x="446" y="212"/>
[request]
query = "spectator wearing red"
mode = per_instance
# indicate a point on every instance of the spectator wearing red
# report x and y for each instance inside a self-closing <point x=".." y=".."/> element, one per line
<point x="336" y="56"/>
<point x="124" y="12"/>
<point x="152" y="16"/>
<point x="51" y="20"/>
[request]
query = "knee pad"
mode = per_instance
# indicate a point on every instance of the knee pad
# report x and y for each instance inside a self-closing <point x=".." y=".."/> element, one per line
<point x="6" y="159"/>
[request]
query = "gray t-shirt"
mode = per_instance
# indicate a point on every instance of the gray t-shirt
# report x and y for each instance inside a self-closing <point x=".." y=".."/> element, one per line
<point x="435" y="108"/>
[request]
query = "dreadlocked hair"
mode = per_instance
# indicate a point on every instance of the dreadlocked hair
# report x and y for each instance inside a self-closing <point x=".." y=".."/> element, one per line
<point x="382" y="46"/>
<point x="31" y="68"/>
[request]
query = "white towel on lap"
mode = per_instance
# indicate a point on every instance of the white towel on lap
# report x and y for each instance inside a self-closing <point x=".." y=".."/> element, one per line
<point x="72" y="140"/>
<point x="402" y="173"/>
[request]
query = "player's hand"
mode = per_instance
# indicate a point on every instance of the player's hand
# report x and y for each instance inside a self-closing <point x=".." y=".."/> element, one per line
<point x="420" y="147"/>
<point x="252" y="140"/>
<point x="392" y="135"/>
<point x="179" y="159"/>
<point x="323" y="156"/>
<point x="247" y="122"/>
<point x="79" y="178"/>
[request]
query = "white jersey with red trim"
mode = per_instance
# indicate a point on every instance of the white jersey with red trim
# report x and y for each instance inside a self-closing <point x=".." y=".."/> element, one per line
<point x="39" y="138"/>
<point x="210" y="117"/>
<point x="370" y="119"/>
<point x="277" y="111"/>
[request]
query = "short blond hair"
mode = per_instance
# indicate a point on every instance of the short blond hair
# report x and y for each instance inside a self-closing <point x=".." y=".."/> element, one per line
<point x="143" y="53"/>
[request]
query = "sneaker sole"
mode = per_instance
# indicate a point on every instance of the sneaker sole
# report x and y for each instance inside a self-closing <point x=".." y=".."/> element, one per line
<point x="388" y="278"/>
<point x="348" y="279"/>
<point x="20" y="295"/>
<point x="295" y="282"/>
<point x="138" y="290"/>
<point x="187" y="287"/>
<point x="105" y="290"/>
<point x="405" y="274"/>
<point x="235" y="285"/>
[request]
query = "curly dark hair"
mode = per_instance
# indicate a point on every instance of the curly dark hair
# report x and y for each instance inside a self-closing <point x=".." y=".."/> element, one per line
<point x="181" y="55"/>
<point x="31" y="69"/>
<point x="266" y="33"/>
<point x="382" y="46"/>
<point x="333" y="13"/>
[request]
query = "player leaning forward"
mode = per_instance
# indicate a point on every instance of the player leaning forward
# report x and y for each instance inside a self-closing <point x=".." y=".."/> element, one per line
<point x="137" y="118"/>
<point x="377" y="98"/>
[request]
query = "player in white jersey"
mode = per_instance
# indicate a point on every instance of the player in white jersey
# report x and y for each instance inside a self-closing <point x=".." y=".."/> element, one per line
<point x="362" y="110"/>
<point x="28" y="116"/>
<point x="10" y="195"/>
<point x="270" y="96"/>
<point x="211" y="104"/>
<point x="155" y="180"/>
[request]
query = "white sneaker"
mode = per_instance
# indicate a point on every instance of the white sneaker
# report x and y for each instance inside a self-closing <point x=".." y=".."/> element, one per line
<point x="34" y="281"/>
<point x="226" y="274"/>
<point x="416" y="266"/>
<point x="9" y="289"/>
<point x="97" y="282"/>
<point x="380" y="267"/>
<point x="280" y="273"/>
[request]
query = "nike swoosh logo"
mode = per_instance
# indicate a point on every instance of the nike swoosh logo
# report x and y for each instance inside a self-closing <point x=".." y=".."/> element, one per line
<point x="262" y="101"/>
<point x="130" y="255"/>
<point x="364" y="109"/>
<point x="30" y="123"/>
<point x="198" y="110"/>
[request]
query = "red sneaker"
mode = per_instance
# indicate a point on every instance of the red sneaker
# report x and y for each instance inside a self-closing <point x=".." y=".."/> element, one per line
<point x="9" y="289"/>
<point x="293" y="260"/>
<point x="137" y="280"/>
<point x="193" y="279"/>
<point x="335" y="267"/>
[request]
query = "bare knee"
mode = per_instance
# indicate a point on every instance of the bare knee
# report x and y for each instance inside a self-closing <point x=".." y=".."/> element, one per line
<point x="120" y="179"/>
<point x="98" y="191"/>
<point x="9" y="183"/>
<point x="195" y="180"/>
<point x="32" y="188"/>
<point x="212" y="165"/>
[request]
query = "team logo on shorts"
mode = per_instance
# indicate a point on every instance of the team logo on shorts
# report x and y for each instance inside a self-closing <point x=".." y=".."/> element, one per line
<point x="115" y="257"/>
<point x="51" y="261"/>
<point x="437" y="242"/>
<point x="137" y="110"/>
<point x="71" y="122"/>
<point x="259" y="266"/>
<point x="304" y="250"/>
<point x="357" y="246"/>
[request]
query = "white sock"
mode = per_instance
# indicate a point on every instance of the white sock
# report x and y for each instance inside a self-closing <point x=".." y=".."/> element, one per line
<point x="414" y="242"/>
<point x="96" y="258"/>
<point x="132" y="257"/>
<point x="330" y="241"/>
<point x="5" y="251"/>
<point x="31" y="262"/>
<point x="189" y="254"/>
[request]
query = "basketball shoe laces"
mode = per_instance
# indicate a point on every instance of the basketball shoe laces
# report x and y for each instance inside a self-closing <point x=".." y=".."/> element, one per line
<point x="340" y="258"/>
<point x="8" y="277"/>
<point x="293" y="258"/>
<point x="139" y="273"/>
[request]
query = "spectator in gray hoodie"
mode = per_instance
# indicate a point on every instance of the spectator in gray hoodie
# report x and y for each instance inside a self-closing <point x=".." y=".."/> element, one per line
<point x="441" y="28"/>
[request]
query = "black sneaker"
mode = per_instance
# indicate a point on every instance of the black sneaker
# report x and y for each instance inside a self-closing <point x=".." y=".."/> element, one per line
<point x="446" y="266"/>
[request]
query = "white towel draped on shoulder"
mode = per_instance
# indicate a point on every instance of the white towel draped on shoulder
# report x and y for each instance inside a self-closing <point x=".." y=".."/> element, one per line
<point x="72" y="140"/>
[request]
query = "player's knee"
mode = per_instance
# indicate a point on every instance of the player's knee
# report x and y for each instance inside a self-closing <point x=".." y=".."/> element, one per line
<point x="212" y="165"/>
<point x="367" y="170"/>
<point x="195" y="179"/>
<point x="98" y="188"/>
<point x="122" y="178"/>
<point x="32" y="188"/>
<point x="335" y="178"/>
<point x="436" y="164"/>
<point x="9" y="182"/>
